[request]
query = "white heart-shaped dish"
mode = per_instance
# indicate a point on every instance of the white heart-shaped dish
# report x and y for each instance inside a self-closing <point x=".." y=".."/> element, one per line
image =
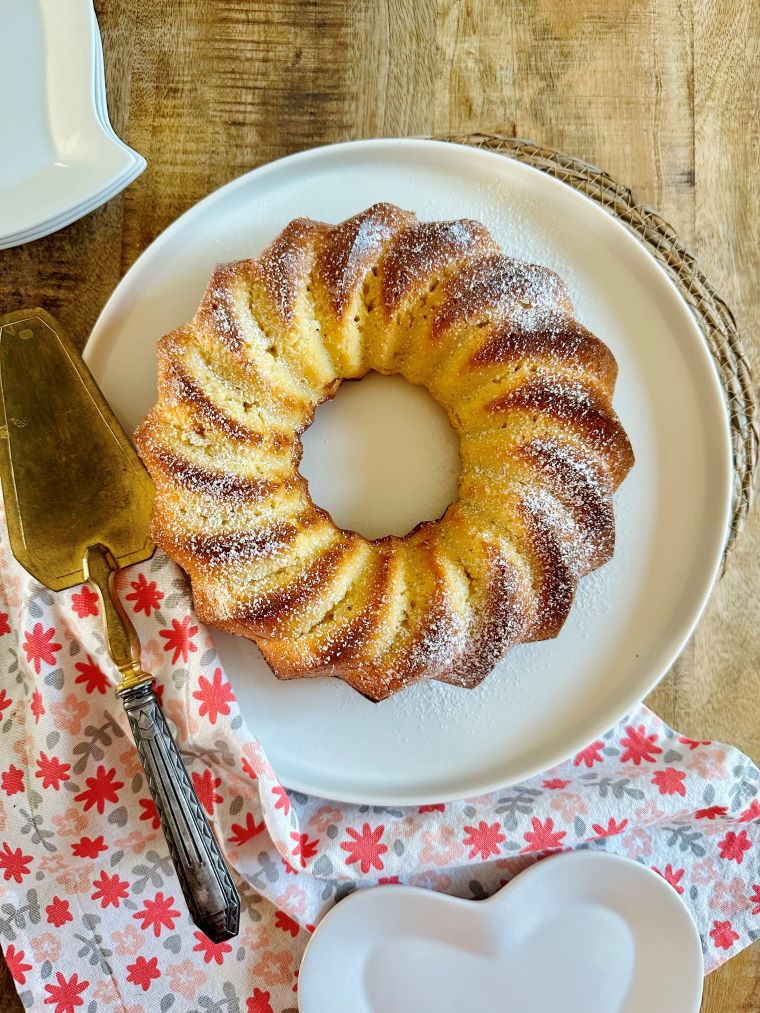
<point x="583" y="932"/>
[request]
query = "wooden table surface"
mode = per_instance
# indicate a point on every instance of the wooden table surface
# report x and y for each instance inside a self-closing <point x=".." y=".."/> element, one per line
<point x="663" y="95"/>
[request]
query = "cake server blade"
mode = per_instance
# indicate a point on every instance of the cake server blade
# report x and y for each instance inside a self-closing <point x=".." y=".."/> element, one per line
<point x="78" y="503"/>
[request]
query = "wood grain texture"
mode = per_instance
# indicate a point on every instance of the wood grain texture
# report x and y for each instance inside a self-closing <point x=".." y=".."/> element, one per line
<point x="661" y="93"/>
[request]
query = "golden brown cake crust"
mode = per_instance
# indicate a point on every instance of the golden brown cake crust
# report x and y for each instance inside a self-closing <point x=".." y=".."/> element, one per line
<point x="525" y="385"/>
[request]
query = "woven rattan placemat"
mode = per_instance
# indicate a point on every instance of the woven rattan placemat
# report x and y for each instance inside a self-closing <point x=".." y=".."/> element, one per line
<point x="713" y="316"/>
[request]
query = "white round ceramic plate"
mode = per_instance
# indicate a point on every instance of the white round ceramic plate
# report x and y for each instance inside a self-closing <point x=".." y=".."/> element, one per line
<point x="631" y="618"/>
<point x="581" y="933"/>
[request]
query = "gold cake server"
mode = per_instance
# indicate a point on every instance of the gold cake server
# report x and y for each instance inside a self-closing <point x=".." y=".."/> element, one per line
<point x="78" y="503"/>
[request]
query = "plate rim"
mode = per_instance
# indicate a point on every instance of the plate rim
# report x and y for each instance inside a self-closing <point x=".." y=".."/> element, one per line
<point x="673" y="645"/>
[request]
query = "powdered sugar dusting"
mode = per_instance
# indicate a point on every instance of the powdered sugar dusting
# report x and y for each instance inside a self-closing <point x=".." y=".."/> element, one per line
<point x="217" y="484"/>
<point x="554" y="524"/>
<point x="421" y="251"/>
<point x="569" y="472"/>
<point x="440" y="640"/>
<point x="218" y="309"/>
<point x="237" y="547"/>
<point x="495" y="285"/>
<point x="562" y="398"/>
<point x="352" y="247"/>
<point x="286" y="263"/>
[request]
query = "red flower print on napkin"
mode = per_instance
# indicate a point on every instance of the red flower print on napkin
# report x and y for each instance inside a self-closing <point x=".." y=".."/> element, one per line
<point x="5" y="701"/>
<point x="543" y="837"/>
<point x="12" y="780"/>
<point x="205" y="785"/>
<point x="146" y="596"/>
<point x="100" y="789"/>
<point x="733" y="846"/>
<point x="89" y="847"/>
<point x="670" y="781"/>
<point x="304" y="849"/>
<point x="38" y="707"/>
<point x="39" y="647"/>
<point x="639" y="745"/>
<point x="755" y="899"/>
<point x="711" y="812"/>
<point x="157" y="914"/>
<point x="4" y="624"/>
<point x="723" y="935"/>
<point x="283" y="801"/>
<point x="590" y="755"/>
<point x="15" y="960"/>
<point x="259" y="1002"/>
<point x="671" y="876"/>
<point x="484" y="839"/>
<point x="242" y="833"/>
<point x="215" y="696"/>
<point x="752" y="812"/>
<point x="91" y="676"/>
<point x="693" y="743"/>
<point x="143" y="972"/>
<point x="84" y="602"/>
<point x="66" y="995"/>
<point x="611" y="829"/>
<point x="149" y="812"/>
<point x="58" y="912"/>
<point x="14" y="864"/>
<point x="110" y="890"/>
<point x="211" y="951"/>
<point x="365" y="848"/>
<point x="287" y="924"/>
<point x="52" y="771"/>
<point x="179" y="639"/>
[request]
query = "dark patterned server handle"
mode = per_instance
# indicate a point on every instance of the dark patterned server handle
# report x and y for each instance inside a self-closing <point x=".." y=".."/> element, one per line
<point x="210" y="894"/>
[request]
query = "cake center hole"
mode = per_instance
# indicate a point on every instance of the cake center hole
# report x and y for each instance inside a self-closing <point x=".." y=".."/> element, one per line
<point x="381" y="456"/>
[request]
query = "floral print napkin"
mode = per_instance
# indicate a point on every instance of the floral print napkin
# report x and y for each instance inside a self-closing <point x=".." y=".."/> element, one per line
<point x="91" y="914"/>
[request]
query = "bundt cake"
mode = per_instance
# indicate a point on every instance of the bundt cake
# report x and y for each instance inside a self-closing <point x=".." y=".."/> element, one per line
<point x="526" y="387"/>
